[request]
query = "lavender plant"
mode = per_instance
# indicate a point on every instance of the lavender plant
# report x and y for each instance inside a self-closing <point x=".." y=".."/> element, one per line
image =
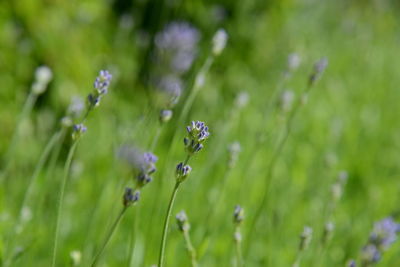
<point x="197" y="134"/>
<point x="383" y="235"/>
<point x="305" y="239"/>
<point x="143" y="167"/>
<point x="101" y="85"/>
<point x="184" y="226"/>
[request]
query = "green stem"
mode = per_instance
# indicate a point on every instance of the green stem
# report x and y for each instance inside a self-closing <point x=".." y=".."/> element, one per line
<point x="166" y="224"/>
<point x="67" y="167"/>
<point x="109" y="235"/>
<point x="190" y="248"/>
<point x="238" y="248"/>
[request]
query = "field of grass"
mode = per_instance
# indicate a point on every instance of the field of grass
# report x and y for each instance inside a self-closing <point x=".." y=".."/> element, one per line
<point x="298" y="146"/>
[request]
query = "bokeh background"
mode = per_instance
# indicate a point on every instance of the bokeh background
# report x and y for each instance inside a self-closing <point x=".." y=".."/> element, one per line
<point x="348" y="123"/>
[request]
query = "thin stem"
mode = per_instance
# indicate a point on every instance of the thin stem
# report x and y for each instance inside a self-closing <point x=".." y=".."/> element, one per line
<point x="67" y="167"/>
<point x="109" y="235"/>
<point x="238" y="248"/>
<point x="190" y="248"/>
<point x="166" y="224"/>
<point x="132" y="241"/>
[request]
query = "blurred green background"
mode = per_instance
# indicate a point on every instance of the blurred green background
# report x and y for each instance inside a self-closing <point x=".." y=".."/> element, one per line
<point x="350" y="122"/>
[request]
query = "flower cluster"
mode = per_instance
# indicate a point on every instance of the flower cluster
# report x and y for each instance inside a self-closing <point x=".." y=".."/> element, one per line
<point x="197" y="134"/>
<point x="319" y="68"/>
<point x="130" y="197"/>
<point x="305" y="238"/>
<point x="147" y="168"/>
<point x="101" y="85"/>
<point x="142" y="163"/>
<point x="182" y="221"/>
<point x="382" y="237"/>
<point x="182" y="172"/>
<point x="78" y="131"/>
<point x="238" y="215"/>
<point x="176" y="48"/>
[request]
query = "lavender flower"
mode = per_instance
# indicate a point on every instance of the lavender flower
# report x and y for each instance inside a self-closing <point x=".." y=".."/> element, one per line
<point x="78" y="131"/>
<point x="143" y="164"/>
<point x="101" y="85"/>
<point x="177" y="45"/>
<point x="351" y="263"/>
<point x="319" y="68"/>
<point x="175" y="51"/>
<point x="102" y="82"/>
<point x="383" y="235"/>
<point x="182" y="172"/>
<point x="305" y="238"/>
<point x="182" y="221"/>
<point x="130" y="196"/>
<point x="197" y="134"/>
<point x="238" y="215"/>
<point x="171" y="86"/>
<point x="165" y="115"/>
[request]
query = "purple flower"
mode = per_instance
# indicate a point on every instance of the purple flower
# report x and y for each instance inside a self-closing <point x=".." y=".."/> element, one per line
<point x="102" y="82"/>
<point x="142" y="163"/>
<point x="130" y="197"/>
<point x="384" y="233"/>
<point x="177" y="45"/>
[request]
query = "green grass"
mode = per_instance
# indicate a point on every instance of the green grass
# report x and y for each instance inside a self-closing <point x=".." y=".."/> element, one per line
<point x="350" y="122"/>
